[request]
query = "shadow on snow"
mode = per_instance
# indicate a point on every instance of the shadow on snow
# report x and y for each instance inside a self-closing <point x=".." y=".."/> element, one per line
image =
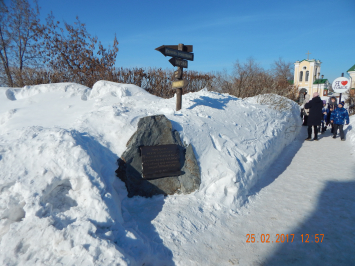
<point x="136" y="238"/>
<point x="336" y="206"/>
<point x="281" y="164"/>
<point x="220" y="104"/>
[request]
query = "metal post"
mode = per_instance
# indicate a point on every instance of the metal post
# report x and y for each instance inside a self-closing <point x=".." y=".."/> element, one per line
<point x="179" y="90"/>
<point x="342" y="74"/>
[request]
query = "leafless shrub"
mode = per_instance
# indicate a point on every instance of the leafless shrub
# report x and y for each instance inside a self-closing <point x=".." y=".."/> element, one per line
<point x="249" y="79"/>
<point x="72" y="50"/>
<point x="221" y="82"/>
<point x="155" y="81"/>
<point x="351" y="103"/>
<point x="276" y="102"/>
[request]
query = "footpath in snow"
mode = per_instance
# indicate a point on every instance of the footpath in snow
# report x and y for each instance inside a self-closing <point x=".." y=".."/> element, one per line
<point x="61" y="203"/>
<point x="309" y="189"/>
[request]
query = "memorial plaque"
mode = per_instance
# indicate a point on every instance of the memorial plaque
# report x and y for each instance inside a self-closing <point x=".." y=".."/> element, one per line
<point x="160" y="161"/>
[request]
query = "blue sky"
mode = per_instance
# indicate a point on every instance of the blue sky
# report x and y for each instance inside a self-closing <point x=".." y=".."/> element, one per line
<point x="220" y="31"/>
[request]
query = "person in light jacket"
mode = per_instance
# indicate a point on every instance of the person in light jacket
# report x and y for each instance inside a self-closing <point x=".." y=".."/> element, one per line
<point x="325" y="112"/>
<point x="305" y="111"/>
<point x="315" y="115"/>
<point x="338" y="118"/>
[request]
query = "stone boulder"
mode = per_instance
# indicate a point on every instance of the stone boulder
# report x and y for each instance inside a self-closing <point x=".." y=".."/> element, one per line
<point x="157" y="130"/>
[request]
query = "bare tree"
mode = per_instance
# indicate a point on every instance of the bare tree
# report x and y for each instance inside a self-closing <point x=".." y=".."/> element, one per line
<point x="282" y="70"/>
<point x="18" y="39"/>
<point x="5" y="45"/>
<point x="221" y="82"/>
<point x="249" y="79"/>
<point x="71" y="50"/>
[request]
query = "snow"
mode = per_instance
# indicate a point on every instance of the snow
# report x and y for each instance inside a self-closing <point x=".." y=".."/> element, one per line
<point x="297" y="196"/>
<point x="61" y="203"/>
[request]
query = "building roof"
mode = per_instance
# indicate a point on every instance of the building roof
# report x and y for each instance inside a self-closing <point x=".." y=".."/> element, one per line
<point x="352" y="68"/>
<point x="320" y="81"/>
<point x="309" y="60"/>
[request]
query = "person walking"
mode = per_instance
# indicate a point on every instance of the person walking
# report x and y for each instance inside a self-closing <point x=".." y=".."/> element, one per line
<point x="315" y="115"/>
<point x="305" y="111"/>
<point x="325" y="116"/>
<point x="332" y="105"/>
<point x="338" y="117"/>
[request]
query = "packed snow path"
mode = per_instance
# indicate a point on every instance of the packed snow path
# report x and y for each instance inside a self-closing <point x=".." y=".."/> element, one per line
<point x="308" y="190"/>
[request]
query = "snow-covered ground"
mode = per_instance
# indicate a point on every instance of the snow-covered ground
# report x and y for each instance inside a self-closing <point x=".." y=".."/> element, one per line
<point x="61" y="204"/>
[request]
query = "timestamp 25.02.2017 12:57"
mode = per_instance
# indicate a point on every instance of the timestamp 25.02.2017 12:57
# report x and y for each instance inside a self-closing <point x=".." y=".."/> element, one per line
<point x="284" y="238"/>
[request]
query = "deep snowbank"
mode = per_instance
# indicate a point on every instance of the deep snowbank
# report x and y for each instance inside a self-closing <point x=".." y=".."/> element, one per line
<point x="60" y="202"/>
<point x="70" y="89"/>
<point x="350" y="131"/>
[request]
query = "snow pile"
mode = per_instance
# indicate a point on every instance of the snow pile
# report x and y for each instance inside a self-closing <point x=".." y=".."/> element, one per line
<point x="60" y="202"/>
<point x="350" y="131"/>
<point x="70" y="89"/>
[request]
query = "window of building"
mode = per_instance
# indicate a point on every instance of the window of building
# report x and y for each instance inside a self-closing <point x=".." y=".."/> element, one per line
<point x="301" y="75"/>
<point x="307" y="75"/>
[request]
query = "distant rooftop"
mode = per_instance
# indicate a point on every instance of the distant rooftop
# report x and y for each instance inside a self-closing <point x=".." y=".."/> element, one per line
<point x="309" y="60"/>
<point x="320" y="81"/>
<point x="352" y="68"/>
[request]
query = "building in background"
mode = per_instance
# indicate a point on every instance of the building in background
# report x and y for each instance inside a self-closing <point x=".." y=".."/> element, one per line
<point x="351" y="73"/>
<point x="307" y="77"/>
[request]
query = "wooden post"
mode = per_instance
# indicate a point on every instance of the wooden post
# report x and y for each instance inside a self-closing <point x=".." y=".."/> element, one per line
<point x="179" y="90"/>
<point x="180" y="54"/>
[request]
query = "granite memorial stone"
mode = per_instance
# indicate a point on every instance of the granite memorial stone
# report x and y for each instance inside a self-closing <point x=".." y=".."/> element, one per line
<point x="156" y="162"/>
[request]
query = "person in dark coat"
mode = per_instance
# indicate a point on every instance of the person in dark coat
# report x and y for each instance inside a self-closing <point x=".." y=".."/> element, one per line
<point x="315" y="115"/>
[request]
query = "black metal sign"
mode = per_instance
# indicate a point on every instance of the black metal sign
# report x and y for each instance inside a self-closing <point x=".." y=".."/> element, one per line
<point x="160" y="161"/>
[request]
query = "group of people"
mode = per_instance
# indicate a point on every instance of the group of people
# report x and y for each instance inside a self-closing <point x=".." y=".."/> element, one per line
<point x="317" y="114"/>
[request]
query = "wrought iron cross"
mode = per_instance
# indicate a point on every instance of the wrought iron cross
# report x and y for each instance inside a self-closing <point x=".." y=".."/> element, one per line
<point x="308" y="55"/>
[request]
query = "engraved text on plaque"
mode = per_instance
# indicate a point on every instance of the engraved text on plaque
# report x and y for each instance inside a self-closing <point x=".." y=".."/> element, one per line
<point x="160" y="161"/>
